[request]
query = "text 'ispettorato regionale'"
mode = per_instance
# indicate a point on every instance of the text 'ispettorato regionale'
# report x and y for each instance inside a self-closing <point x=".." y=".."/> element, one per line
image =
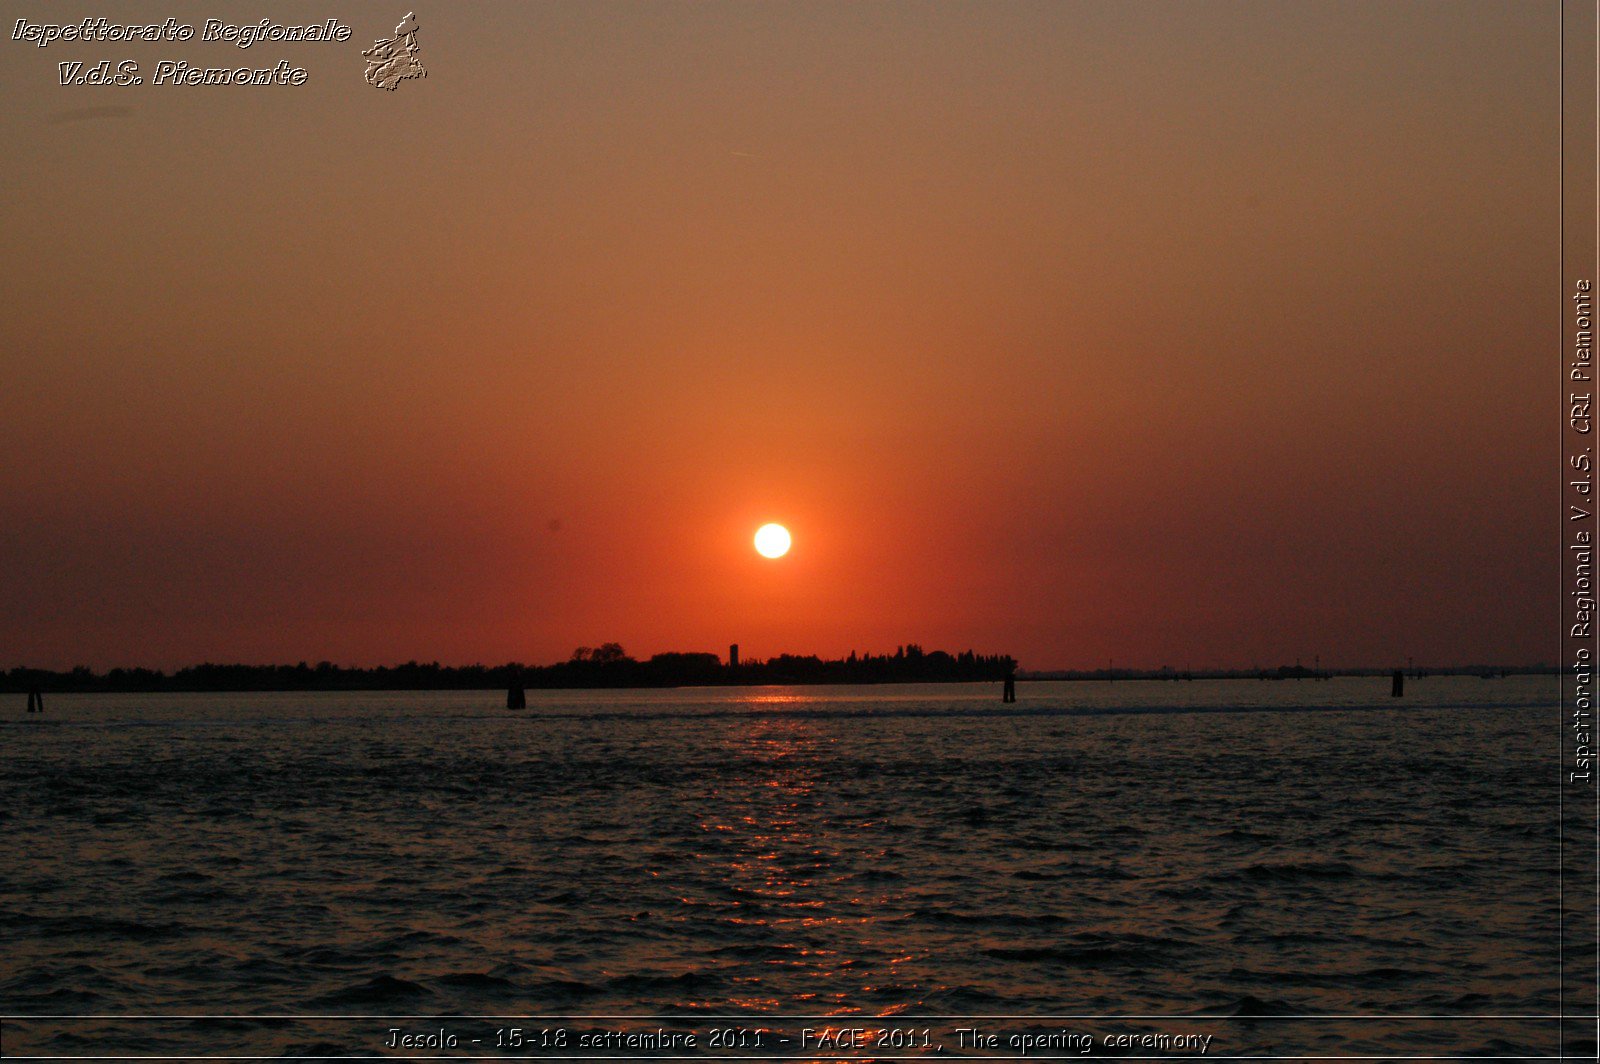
<point x="178" y="71"/>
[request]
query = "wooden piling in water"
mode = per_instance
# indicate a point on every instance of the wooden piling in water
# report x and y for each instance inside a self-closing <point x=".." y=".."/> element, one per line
<point x="1398" y="688"/>
<point x="1008" y="693"/>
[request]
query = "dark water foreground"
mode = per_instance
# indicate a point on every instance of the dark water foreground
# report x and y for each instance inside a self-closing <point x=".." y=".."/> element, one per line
<point x="1312" y="868"/>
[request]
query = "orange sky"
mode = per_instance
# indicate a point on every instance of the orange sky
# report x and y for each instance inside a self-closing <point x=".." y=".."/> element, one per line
<point x="1210" y="333"/>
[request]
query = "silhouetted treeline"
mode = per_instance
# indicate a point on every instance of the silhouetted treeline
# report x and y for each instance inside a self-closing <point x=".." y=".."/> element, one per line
<point x="607" y="665"/>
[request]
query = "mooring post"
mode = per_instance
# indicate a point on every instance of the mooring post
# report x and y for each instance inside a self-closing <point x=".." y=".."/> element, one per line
<point x="1398" y="688"/>
<point x="35" y="701"/>
<point x="1008" y="693"/>
<point x="516" y="697"/>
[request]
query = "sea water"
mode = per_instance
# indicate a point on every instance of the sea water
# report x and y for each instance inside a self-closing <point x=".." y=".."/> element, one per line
<point x="1310" y="866"/>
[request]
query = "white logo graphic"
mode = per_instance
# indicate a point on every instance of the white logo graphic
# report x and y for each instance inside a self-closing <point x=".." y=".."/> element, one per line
<point x="392" y="61"/>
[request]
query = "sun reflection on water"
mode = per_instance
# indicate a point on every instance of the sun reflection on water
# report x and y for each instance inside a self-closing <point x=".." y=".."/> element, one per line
<point x="789" y="865"/>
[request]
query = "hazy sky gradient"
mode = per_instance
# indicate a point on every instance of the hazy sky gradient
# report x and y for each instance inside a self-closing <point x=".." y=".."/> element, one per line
<point x="1204" y="333"/>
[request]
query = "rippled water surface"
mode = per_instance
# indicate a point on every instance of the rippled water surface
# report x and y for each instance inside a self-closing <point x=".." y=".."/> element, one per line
<point x="1272" y="849"/>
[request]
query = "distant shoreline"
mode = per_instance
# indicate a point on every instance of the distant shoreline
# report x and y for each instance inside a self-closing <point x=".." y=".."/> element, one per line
<point x="1288" y="672"/>
<point x="786" y="671"/>
<point x="606" y="667"/>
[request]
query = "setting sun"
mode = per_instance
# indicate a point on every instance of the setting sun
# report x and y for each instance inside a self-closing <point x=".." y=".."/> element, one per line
<point x="772" y="541"/>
